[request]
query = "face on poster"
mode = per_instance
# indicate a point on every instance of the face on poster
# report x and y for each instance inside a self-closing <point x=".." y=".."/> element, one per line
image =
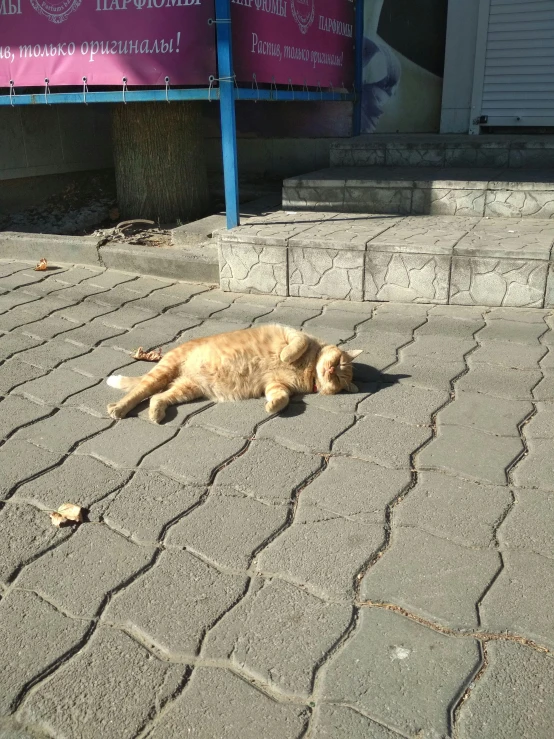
<point x="106" y="40"/>
<point x="299" y="42"/>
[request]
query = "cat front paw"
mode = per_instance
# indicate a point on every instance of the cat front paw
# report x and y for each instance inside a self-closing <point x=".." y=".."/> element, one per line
<point x="156" y="413"/>
<point x="115" y="412"/>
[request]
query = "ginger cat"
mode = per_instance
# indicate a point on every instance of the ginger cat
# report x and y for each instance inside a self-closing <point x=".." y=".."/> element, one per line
<point x="275" y="361"/>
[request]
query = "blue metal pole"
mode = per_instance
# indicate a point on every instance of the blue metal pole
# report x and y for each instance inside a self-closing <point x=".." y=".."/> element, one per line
<point x="227" y="110"/>
<point x="358" y="74"/>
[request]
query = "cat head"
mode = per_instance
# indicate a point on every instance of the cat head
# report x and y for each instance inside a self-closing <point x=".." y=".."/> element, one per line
<point x="334" y="370"/>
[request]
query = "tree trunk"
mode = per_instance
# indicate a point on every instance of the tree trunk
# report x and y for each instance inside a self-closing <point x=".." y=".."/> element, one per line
<point x="159" y="161"/>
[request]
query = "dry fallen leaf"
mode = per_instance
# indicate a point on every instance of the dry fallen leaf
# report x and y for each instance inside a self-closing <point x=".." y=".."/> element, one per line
<point x="42" y="265"/>
<point x="58" y="520"/>
<point x="152" y="356"/>
<point x="71" y="511"/>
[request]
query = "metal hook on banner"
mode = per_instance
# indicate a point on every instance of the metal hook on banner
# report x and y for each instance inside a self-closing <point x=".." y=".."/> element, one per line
<point x="46" y="89"/>
<point x="255" y="82"/>
<point x="291" y="88"/>
<point x="85" y="90"/>
<point x="212" y="21"/>
<point x="12" y="93"/>
<point x="124" y="80"/>
<point x="211" y="80"/>
<point x="167" y="89"/>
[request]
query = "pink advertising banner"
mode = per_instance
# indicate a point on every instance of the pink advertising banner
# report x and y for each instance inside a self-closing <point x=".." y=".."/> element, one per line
<point x="303" y="42"/>
<point x="106" y="40"/>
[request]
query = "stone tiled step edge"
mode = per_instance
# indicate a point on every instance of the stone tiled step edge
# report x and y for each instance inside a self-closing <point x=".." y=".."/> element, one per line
<point x="193" y="264"/>
<point x="491" y="192"/>
<point x="295" y="265"/>
<point x="443" y="150"/>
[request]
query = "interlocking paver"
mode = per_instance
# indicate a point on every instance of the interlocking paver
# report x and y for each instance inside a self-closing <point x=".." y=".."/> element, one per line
<point x="84" y="312"/>
<point x="530" y="525"/>
<point x="514" y="696"/>
<point x="16" y="412"/>
<point x="126" y="443"/>
<point x="90" y="698"/>
<point x="20" y="461"/>
<point x="223" y="418"/>
<point x="13" y="343"/>
<point x="506" y="354"/>
<point x="30" y="641"/>
<point x="30" y="533"/>
<point x="289" y="316"/>
<point x="269" y="471"/>
<point x="500" y="382"/>
<point x="382" y="668"/>
<point x="148" y="503"/>
<point x="51" y="354"/>
<point x="91" y="334"/>
<point x="81" y="480"/>
<point x="169" y="297"/>
<point x="56" y="386"/>
<point x="79" y="574"/>
<point x="193" y="455"/>
<point x="238" y="527"/>
<point x="343" y="722"/>
<point x="411" y="405"/>
<point x="517" y="332"/>
<point x="219" y="704"/>
<point x="308" y="428"/>
<point x="451" y="325"/>
<point x="101" y="362"/>
<point x="152" y="332"/>
<point x="449" y="349"/>
<point x="536" y="469"/>
<point x="14" y="372"/>
<point x="430" y="373"/>
<point x="463" y="512"/>
<point x="498" y="416"/>
<point x="470" y="453"/>
<point x="48" y="327"/>
<point x="306" y="628"/>
<point x="520" y="600"/>
<point x="432" y="577"/>
<point x="175" y="625"/>
<point x="384" y="441"/>
<point x="61" y="431"/>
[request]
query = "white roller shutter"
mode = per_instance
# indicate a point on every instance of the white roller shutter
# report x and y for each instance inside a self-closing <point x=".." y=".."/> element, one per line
<point x="514" y="69"/>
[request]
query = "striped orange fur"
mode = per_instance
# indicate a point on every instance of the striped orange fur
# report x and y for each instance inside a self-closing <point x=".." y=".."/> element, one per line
<point x="268" y="360"/>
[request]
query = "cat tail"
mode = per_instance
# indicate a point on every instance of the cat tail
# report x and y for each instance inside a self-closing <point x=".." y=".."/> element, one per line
<point x="123" y="383"/>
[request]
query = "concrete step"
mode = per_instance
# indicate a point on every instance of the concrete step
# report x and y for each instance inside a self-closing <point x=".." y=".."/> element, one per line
<point x="415" y="259"/>
<point x="493" y="192"/>
<point x="444" y="150"/>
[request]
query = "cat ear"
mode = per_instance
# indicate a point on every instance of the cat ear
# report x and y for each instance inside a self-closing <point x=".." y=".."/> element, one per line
<point x="352" y="388"/>
<point x="352" y="354"/>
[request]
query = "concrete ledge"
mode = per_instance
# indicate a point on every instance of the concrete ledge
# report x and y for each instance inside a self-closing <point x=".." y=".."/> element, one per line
<point x="417" y="259"/>
<point x="71" y="249"/>
<point x="193" y="264"/>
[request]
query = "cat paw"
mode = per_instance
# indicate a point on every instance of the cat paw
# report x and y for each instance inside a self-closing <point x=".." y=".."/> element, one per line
<point x="274" y="406"/>
<point x="115" y="412"/>
<point x="156" y="413"/>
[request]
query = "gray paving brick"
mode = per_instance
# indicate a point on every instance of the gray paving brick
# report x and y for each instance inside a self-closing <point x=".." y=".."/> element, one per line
<point x="178" y="626"/>
<point x="245" y="313"/>
<point x="114" y="298"/>
<point x="391" y="318"/>
<point x="463" y="512"/>
<point x="514" y="697"/>
<point x="494" y="415"/>
<point x="308" y="428"/>
<point x="148" y="503"/>
<point x="520" y="316"/>
<point x="382" y="440"/>
<point x="96" y="398"/>
<point x="430" y="373"/>
<point x="60" y="432"/>
<point x="451" y="326"/>
<point x="14" y="298"/>
<point x="84" y="312"/>
<point x="107" y="559"/>
<point x="126" y="443"/>
<point x="342" y="722"/>
<point x="151" y="333"/>
<point x="353" y="489"/>
<point x="470" y="453"/>
<point x="77" y="293"/>
<point x="545" y="388"/>
<point x="80" y="480"/>
<point x="411" y="405"/>
<point x="233" y="419"/>
<point x="288" y="316"/>
<point x="9" y="267"/>
<point x="516" y="332"/>
<point x="51" y="305"/>
<point x="20" y="461"/>
<point x="28" y="532"/>
<point x="447" y="348"/>
<point x="48" y="327"/>
<point x="323" y="553"/>
<point x="55" y="387"/>
<point x="16" y="412"/>
<point x="202" y="306"/>
<point x="342" y="402"/>
<point x="110" y="278"/>
<point x="536" y="469"/>
<point x="541" y="426"/>
<point x="15" y="342"/>
<point x="30" y="643"/>
<point x="219" y="704"/>
<point x="208" y="328"/>
<point x="343" y="321"/>
<point x="101" y="362"/>
<point x="127" y="317"/>
<point x="90" y="696"/>
<point x="11" y="729"/>
<point x="461" y="312"/>
<point x="333" y="336"/>
<point x="14" y="372"/>
<point x="432" y="577"/>
<point x="381" y="671"/>
<point x="269" y="471"/>
<point x="23" y="277"/>
<point x="378" y="352"/>
<point x="15" y="318"/>
<point x="500" y="382"/>
<point x="75" y="275"/>
<point x="51" y="354"/>
<point x="91" y="334"/>
<point x="505" y="354"/>
<point x="170" y="297"/>
<point x="228" y="528"/>
<point x="530" y="525"/>
<point x="520" y="600"/>
<point x="307" y="629"/>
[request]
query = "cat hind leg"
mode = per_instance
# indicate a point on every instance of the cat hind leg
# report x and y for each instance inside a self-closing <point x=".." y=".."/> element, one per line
<point x="179" y="392"/>
<point x="277" y="397"/>
<point x="142" y="387"/>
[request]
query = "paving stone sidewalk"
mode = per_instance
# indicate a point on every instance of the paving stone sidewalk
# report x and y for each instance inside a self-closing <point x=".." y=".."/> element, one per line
<point x="373" y="566"/>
